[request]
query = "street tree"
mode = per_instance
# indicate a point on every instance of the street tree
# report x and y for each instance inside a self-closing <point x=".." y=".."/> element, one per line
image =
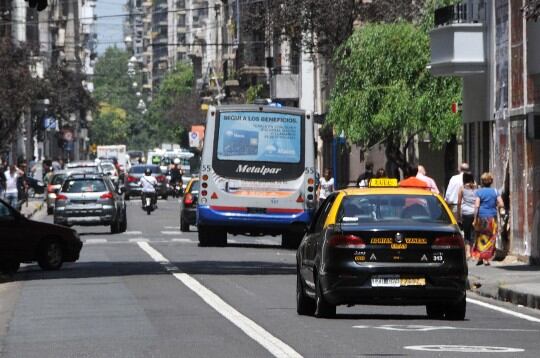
<point x="175" y="106"/>
<point x="384" y="94"/>
<point x="17" y="89"/>
<point x="116" y="93"/>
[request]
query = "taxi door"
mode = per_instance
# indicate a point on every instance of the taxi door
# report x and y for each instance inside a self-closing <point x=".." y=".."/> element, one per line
<point x="316" y="234"/>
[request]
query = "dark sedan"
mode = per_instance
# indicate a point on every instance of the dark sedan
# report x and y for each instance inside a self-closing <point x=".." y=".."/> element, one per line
<point x="384" y="246"/>
<point x="188" y="214"/>
<point x="24" y="240"/>
<point x="134" y="175"/>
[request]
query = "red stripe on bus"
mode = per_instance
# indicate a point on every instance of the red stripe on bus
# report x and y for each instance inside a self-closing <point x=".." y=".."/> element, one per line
<point x="228" y="208"/>
<point x="284" y="211"/>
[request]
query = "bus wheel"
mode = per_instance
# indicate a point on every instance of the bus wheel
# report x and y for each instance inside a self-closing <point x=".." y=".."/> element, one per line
<point x="291" y="240"/>
<point x="204" y="236"/>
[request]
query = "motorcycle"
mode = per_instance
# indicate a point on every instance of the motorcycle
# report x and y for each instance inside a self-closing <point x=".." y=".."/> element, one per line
<point x="149" y="202"/>
<point x="177" y="190"/>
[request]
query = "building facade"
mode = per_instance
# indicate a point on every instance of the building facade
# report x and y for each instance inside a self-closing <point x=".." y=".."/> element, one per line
<point x="496" y="50"/>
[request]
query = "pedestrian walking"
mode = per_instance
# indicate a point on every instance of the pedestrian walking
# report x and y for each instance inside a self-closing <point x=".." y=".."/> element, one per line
<point x="411" y="181"/>
<point x="465" y="210"/>
<point x="326" y="185"/>
<point x="454" y="186"/>
<point x="363" y="179"/>
<point x="11" y="191"/>
<point x="422" y="175"/>
<point x="487" y="201"/>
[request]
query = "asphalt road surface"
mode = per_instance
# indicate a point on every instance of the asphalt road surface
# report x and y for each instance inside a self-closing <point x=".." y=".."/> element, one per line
<point x="152" y="292"/>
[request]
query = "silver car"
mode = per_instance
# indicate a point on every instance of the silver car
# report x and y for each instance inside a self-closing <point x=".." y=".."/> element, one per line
<point x="53" y="187"/>
<point x="88" y="200"/>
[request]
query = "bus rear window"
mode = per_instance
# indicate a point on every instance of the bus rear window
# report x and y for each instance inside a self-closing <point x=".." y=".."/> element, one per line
<point x="259" y="136"/>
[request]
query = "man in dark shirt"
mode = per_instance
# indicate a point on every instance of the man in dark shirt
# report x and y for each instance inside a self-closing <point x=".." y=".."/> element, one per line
<point x="363" y="178"/>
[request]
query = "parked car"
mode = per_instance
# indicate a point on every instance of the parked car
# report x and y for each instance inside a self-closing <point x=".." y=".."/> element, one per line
<point x="90" y="199"/>
<point x="383" y="246"/>
<point x="24" y="240"/>
<point x="53" y="187"/>
<point x="188" y="213"/>
<point x="134" y="175"/>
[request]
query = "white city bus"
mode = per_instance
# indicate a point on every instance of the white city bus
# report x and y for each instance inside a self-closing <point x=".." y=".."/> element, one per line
<point x="257" y="174"/>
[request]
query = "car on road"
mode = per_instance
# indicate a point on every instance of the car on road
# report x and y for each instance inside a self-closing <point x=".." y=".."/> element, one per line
<point x="188" y="213"/>
<point x="134" y="175"/>
<point x="382" y="245"/>
<point x="84" y="166"/>
<point x="24" y="240"/>
<point x="109" y="169"/>
<point x="89" y="200"/>
<point x="53" y="187"/>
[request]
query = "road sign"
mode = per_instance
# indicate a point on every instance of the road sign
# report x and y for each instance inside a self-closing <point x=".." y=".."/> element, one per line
<point x="194" y="140"/>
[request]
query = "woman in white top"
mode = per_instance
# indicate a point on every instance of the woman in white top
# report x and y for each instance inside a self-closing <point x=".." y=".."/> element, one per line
<point x="465" y="209"/>
<point x="326" y="186"/>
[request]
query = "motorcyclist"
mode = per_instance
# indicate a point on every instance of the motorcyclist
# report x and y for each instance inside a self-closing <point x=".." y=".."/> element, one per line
<point x="176" y="173"/>
<point x="148" y="183"/>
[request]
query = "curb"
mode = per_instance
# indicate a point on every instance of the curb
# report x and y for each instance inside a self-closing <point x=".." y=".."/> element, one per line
<point x="37" y="209"/>
<point x="501" y="293"/>
<point x="519" y="298"/>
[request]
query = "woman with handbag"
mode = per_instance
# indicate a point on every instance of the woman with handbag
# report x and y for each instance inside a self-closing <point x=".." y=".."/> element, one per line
<point x="466" y="209"/>
<point x="488" y="200"/>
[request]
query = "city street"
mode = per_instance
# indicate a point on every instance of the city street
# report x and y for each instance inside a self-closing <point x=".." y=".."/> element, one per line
<point x="152" y="292"/>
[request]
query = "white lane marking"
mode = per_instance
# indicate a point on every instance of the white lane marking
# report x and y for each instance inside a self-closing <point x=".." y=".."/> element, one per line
<point x="504" y="310"/>
<point x="132" y="233"/>
<point x="95" y="241"/>
<point x="172" y="227"/>
<point x="465" y="349"/>
<point x="182" y="240"/>
<point x="170" y="232"/>
<point x="422" y="328"/>
<point x="139" y="239"/>
<point x="232" y="241"/>
<point x="271" y="343"/>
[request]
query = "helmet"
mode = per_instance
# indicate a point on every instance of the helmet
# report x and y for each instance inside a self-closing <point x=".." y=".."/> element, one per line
<point x="147" y="171"/>
<point x="177" y="161"/>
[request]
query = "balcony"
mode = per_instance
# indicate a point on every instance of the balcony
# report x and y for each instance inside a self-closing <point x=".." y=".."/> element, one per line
<point x="458" y="40"/>
<point x="284" y="86"/>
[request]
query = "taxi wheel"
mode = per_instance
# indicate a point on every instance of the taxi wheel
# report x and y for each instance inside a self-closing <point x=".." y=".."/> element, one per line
<point x="323" y="309"/>
<point x="291" y="240"/>
<point x="435" y="311"/>
<point x="305" y="305"/>
<point x="456" y="311"/>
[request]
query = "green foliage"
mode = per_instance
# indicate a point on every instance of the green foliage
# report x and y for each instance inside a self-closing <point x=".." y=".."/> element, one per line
<point x="118" y="120"/>
<point x="175" y="106"/>
<point x="385" y="94"/>
<point x="254" y="92"/>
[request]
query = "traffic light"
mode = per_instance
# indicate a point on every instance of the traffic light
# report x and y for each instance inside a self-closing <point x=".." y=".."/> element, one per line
<point x="38" y="4"/>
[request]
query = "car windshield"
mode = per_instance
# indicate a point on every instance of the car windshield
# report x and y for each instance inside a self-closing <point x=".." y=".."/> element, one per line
<point x="195" y="187"/>
<point x="140" y="169"/>
<point x="84" y="186"/>
<point x="58" y="179"/>
<point x="406" y="209"/>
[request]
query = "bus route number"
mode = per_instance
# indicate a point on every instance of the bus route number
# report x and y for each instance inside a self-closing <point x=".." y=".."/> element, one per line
<point x="310" y="170"/>
<point x="206" y="168"/>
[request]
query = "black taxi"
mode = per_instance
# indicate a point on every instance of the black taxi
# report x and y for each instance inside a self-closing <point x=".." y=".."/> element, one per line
<point x="382" y="245"/>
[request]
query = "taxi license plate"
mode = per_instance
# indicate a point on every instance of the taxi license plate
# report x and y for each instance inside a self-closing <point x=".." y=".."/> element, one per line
<point x="396" y="281"/>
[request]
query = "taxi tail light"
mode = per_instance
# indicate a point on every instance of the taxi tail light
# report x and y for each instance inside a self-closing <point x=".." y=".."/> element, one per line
<point x="448" y="242"/>
<point x="108" y="195"/>
<point x="343" y="241"/>
<point x="188" y="199"/>
<point x="61" y="197"/>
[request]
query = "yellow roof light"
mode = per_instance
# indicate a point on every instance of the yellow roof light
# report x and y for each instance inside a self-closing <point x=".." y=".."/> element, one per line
<point x="383" y="183"/>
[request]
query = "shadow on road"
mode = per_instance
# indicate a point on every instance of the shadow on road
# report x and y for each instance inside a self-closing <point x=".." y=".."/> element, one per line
<point x="97" y="269"/>
<point x="392" y="317"/>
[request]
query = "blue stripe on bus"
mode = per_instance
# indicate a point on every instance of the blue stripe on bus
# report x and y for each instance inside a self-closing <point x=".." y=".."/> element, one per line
<point x="207" y="216"/>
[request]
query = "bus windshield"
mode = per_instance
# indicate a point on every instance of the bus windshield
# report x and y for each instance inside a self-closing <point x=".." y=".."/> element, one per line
<point x="259" y="137"/>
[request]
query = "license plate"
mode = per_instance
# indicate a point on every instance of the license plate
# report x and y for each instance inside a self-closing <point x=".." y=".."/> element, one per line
<point x="385" y="281"/>
<point x="396" y="281"/>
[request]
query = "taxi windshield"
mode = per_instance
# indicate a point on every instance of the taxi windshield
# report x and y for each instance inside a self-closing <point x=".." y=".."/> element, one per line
<point x="400" y="208"/>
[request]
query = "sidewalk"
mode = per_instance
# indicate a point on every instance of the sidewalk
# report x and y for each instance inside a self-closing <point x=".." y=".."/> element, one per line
<point x="34" y="205"/>
<point x="509" y="280"/>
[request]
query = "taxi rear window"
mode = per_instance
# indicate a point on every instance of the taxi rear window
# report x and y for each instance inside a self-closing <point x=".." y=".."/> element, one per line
<point x="399" y="208"/>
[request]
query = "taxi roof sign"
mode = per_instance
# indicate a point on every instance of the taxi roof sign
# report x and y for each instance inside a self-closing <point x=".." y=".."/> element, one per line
<point x="383" y="183"/>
